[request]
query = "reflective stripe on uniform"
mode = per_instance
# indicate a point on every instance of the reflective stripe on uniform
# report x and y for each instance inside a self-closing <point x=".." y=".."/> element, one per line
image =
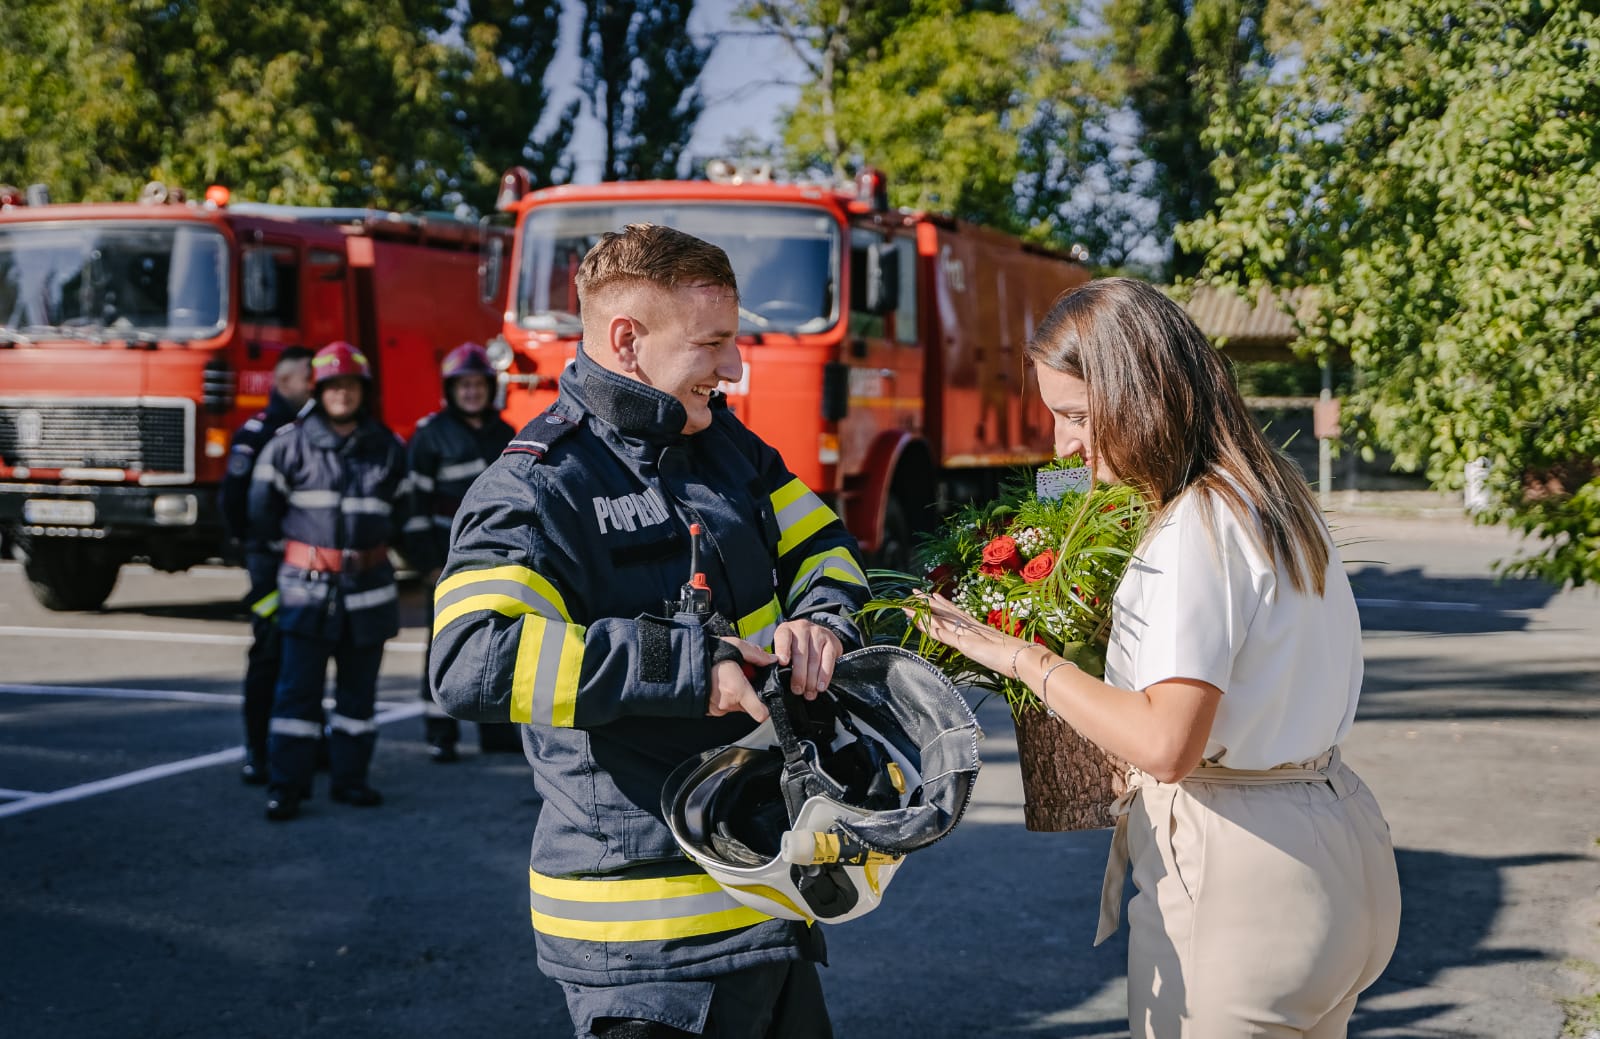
<point x="759" y="626"/>
<point x="462" y="470"/>
<point x="365" y="506"/>
<point x="265" y="606"/>
<point x="836" y="563"/>
<point x="368" y="599"/>
<point x="657" y="909"/>
<point x="421" y="482"/>
<point x="297" y="727"/>
<point x="509" y="590"/>
<point x="354" y="726"/>
<point x="314" y="499"/>
<point x="544" y="680"/>
<point x="418" y="523"/>
<point x="264" y="473"/>
<point x="800" y="514"/>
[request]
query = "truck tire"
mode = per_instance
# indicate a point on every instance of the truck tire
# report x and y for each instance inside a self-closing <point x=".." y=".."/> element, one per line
<point x="66" y="576"/>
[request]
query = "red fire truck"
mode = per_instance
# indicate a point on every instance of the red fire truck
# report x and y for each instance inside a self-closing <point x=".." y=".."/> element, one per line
<point x="883" y="349"/>
<point x="135" y="337"/>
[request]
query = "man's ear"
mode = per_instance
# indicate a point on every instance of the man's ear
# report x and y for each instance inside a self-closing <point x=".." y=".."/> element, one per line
<point x="621" y="339"/>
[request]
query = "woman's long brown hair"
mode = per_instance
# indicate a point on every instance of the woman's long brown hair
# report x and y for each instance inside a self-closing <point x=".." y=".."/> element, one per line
<point x="1167" y="418"/>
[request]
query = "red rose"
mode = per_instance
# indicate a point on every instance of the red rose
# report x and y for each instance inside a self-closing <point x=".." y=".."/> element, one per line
<point x="999" y="619"/>
<point x="941" y="578"/>
<point x="1039" y="567"/>
<point x="992" y="570"/>
<point x="1002" y="552"/>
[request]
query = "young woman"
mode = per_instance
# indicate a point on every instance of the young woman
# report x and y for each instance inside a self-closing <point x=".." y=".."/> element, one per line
<point x="1267" y="893"/>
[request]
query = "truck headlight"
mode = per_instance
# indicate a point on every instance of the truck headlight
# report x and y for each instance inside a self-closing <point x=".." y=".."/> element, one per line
<point x="175" y="510"/>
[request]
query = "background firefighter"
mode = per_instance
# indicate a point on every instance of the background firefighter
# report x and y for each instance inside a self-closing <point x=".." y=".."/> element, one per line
<point x="328" y="486"/>
<point x="447" y="452"/>
<point x="291" y="388"/>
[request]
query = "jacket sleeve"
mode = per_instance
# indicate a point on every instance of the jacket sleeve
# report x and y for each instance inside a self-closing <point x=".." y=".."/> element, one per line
<point x="233" y="496"/>
<point x="513" y="640"/>
<point x="422" y="546"/>
<point x="820" y="573"/>
<point x="269" y="491"/>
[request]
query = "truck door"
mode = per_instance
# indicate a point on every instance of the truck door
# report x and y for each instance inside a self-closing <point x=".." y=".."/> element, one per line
<point x="882" y="346"/>
<point x="269" y="313"/>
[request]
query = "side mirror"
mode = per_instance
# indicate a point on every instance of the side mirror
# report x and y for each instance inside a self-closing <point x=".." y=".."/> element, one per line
<point x="883" y="278"/>
<point x="260" y="276"/>
<point x="491" y="261"/>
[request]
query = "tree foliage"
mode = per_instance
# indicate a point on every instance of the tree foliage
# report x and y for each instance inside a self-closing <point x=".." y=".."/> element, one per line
<point x="641" y="70"/>
<point x="333" y="102"/>
<point x="1434" y="169"/>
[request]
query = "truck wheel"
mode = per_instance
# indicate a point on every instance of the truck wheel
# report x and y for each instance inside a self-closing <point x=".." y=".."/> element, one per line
<point x="895" y="547"/>
<point x="66" y="577"/>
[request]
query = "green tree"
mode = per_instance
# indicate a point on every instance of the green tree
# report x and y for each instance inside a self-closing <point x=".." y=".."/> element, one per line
<point x="641" y="70"/>
<point x="1434" y="170"/>
<point x="332" y="102"/>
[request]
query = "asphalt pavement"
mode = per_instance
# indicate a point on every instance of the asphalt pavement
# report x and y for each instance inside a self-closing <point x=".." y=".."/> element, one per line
<point x="143" y="895"/>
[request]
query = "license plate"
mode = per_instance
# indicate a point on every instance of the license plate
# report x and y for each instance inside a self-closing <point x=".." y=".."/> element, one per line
<point x="54" y="510"/>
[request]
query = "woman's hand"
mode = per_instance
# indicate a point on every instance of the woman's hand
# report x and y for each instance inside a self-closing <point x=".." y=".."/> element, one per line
<point x="990" y="647"/>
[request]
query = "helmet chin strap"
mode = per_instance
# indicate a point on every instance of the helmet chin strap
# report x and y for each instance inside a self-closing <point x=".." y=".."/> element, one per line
<point x="802" y="778"/>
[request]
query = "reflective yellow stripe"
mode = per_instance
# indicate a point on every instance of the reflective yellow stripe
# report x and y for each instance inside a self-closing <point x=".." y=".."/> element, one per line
<point x="505" y="604"/>
<point x="648" y="930"/>
<point x="266" y="606"/>
<point x="760" y="625"/>
<point x="645" y="909"/>
<point x="800" y="514"/>
<point x="511" y="572"/>
<point x="836" y="563"/>
<point x="772" y="893"/>
<point x="544" y="678"/>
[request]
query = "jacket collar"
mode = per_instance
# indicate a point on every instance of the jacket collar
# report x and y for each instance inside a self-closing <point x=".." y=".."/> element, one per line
<point x="322" y="435"/>
<point x="636" y="410"/>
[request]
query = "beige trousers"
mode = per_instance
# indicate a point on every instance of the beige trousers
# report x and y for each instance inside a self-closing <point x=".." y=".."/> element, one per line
<point x="1267" y="901"/>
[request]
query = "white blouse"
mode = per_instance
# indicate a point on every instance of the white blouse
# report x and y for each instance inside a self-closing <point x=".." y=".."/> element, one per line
<point x="1202" y="601"/>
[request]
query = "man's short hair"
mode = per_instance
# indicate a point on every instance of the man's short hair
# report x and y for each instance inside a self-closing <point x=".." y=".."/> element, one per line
<point x="294" y="353"/>
<point x="653" y="253"/>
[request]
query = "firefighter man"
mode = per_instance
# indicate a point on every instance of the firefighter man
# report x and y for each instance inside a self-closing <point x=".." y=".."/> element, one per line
<point x="447" y="452"/>
<point x="329" y="487"/>
<point x="553" y="612"/>
<point x="291" y="388"/>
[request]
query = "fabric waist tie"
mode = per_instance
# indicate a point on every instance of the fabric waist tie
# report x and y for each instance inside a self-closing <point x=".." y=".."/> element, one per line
<point x="1320" y="769"/>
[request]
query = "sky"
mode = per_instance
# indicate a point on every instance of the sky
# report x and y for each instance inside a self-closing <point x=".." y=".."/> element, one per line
<point x="748" y="80"/>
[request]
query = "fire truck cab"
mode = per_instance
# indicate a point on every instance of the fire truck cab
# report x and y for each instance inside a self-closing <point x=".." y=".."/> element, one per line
<point x="136" y="337"/>
<point x="883" y="349"/>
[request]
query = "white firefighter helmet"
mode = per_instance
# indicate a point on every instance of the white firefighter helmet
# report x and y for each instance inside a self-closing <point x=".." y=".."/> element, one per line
<point x="809" y="816"/>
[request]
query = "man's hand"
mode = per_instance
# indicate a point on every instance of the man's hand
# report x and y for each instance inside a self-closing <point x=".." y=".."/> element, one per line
<point x="730" y="690"/>
<point x="810" y="651"/>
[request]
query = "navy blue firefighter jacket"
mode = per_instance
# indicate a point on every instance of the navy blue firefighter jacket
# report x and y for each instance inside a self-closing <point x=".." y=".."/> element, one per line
<point x="551" y="613"/>
<point x="445" y="455"/>
<point x="233" y="500"/>
<point x="344" y="494"/>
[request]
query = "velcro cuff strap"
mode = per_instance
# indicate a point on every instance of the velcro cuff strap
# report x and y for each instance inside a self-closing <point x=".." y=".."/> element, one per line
<point x="655" y="650"/>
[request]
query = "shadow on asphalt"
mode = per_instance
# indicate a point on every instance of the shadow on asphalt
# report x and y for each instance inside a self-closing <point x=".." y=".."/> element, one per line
<point x="1408" y="600"/>
<point x="230" y="609"/>
<point x="1449" y="903"/>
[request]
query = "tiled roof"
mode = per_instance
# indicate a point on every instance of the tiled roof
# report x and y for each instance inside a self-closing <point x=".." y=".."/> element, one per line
<point x="1223" y="314"/>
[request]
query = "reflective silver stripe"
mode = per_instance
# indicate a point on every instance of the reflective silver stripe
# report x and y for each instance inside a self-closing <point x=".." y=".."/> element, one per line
<point x="512" y="589"/>
<point x="314" y="499"/>
<point x="297" y="727"/>
<point x="442" y="522"/>
<point x="836" y="563"/>
<point x="462" y="470"/>
<point x="416" y="523"/>
<point x="354" y="726"/>
<point x="369" y="599"/>
<point x="366" y="506"/>
<point x="647" y="909"/>
<point x="421" y="482"/>
<point x="268" y="474"/>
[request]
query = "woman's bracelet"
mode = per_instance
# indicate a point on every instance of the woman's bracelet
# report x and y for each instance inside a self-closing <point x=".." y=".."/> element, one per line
<point x="1044" y="683"/>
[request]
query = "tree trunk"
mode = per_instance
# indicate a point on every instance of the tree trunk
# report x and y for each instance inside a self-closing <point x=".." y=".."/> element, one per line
<point x="1068" y="783"/>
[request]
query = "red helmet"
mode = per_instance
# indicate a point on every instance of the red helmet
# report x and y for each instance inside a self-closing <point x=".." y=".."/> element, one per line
<point x="336" y="359"/>
<point x="467" y="359"/>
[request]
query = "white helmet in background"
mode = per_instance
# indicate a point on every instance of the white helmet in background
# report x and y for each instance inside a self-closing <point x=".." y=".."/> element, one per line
<point x="809" y="816"/>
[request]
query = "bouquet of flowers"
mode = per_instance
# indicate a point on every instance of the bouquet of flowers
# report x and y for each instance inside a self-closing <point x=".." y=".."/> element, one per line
<point x="1040" y="562"/>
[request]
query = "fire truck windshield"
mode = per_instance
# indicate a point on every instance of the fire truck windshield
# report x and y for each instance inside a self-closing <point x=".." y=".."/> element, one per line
<point x="140" y="280"/>
<point x="785" y="257"/>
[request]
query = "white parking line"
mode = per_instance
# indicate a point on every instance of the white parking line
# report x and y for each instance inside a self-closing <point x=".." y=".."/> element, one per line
<point x="12" y="795"/>
<point x="198" y="638"/>
<point x="172" y="768"/>
<point x="1423" y="604"/>
<point x="109" y="693"/>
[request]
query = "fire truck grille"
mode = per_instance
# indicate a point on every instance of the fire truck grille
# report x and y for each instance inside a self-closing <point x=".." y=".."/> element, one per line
<point x="152" y="438"/>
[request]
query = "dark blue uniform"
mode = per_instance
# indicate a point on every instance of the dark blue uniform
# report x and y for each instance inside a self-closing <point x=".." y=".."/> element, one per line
<point x="261" y="563"/>
<point x="446" y="454"/>
<point x="333" y="501"/>
<point x="550" y="613"/>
